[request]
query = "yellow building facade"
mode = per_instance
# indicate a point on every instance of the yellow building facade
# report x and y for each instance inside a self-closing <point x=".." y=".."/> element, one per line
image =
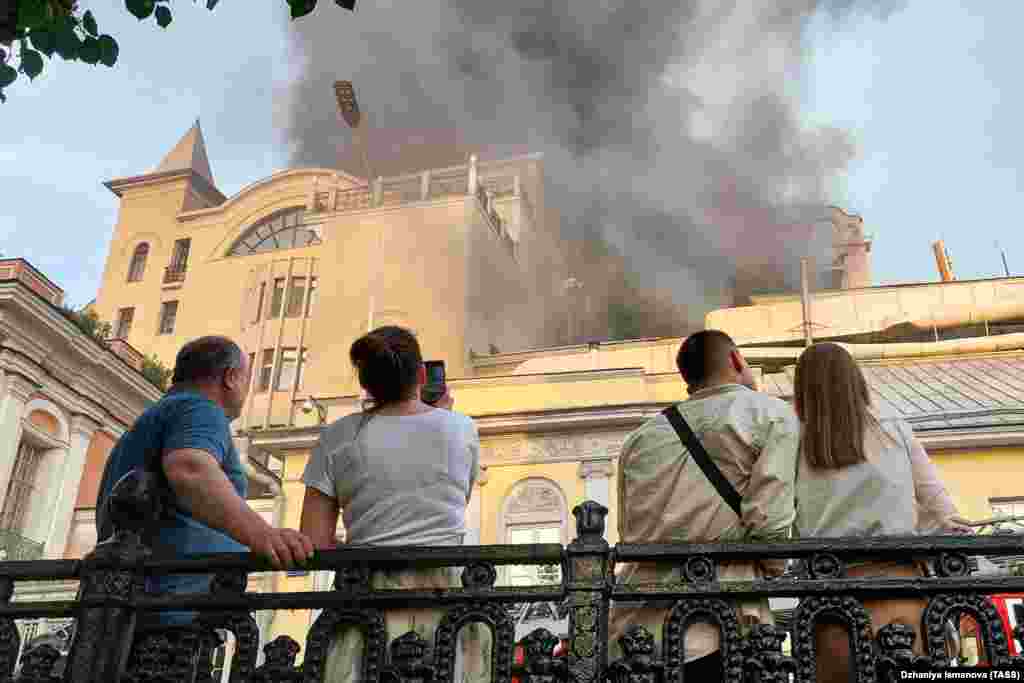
<point x="297" y="266"/>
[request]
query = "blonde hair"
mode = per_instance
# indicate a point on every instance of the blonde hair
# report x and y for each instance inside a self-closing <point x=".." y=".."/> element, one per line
<point x="832" y="399"/>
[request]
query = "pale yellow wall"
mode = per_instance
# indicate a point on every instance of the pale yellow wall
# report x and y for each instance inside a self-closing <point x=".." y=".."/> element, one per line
<point x="973" y="476"/>
<point x="501" y="480"/>
<point x="435" y="266"/>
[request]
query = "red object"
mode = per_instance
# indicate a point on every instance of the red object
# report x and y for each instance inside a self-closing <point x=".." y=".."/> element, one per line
<point x="1004" y="604"/>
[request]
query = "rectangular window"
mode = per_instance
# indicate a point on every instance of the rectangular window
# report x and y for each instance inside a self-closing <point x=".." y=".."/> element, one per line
<point x="286" y="369"/>
<point x="532" y="575"/>
<point x="21" y="488"/>
<point x="303" y="357"/>
<point x="311" y="300"/>
<point x="296" y="295"/>
<point x="124" y="322"/>
<point x="277" y="299"/>
<point x="259" y="302"/>
<point x="266" y="370"/>
<point x="179" y="259"/>
<point x="168" y="315"/>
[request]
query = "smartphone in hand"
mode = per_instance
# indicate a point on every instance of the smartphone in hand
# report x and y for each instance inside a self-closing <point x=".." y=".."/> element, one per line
<point x="436" y="386"/>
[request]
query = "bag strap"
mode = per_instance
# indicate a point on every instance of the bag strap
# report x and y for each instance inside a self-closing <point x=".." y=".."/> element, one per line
<point x="703" y="460"/>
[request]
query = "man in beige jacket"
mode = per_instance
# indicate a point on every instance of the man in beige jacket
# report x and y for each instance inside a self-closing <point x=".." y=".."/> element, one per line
<point x="665" y="497"/>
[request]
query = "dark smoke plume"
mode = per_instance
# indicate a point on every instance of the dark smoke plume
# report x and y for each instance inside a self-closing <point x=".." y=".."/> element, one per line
<point x="671" y="130"/>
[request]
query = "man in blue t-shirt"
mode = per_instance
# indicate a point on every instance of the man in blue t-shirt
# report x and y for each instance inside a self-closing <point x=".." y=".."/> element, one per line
<point x="189" y="432"/>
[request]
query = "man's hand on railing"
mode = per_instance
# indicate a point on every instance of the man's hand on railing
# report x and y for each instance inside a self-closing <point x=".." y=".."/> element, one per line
<point x="285" y="548"/>
<point x="958" y="525"/>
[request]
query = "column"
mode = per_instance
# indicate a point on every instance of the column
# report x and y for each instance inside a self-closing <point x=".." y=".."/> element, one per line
<point x="66" y="486"/>
<point x="474" y="511"/>
<point x="472" y="176"/>
<point x="596" y="475"/>
<point x="425" y="185"/>
<point x="12" y="410"/>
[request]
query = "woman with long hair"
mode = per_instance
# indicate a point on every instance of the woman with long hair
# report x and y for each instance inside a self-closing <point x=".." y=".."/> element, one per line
<point x="859" y="474"/>
<point x="400" y="473"/>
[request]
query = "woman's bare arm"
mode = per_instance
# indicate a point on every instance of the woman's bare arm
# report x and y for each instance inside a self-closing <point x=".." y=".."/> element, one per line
<point x="319" y="518"/>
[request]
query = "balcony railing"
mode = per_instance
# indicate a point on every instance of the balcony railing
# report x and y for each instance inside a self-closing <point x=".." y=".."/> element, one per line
<point x="15" y="547"/>
<point x="108" y="647"/>
<point x="174" y="274"/>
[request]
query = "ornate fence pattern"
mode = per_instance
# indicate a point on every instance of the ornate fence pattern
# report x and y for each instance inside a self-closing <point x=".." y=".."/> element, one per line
<point x="111" y="644"/>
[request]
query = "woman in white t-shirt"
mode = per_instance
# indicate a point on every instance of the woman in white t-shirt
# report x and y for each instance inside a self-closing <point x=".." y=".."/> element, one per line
<point x="400" y="473"/>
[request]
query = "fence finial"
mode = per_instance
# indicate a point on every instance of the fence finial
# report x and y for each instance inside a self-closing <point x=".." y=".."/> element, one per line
<point x="590" y="518"/>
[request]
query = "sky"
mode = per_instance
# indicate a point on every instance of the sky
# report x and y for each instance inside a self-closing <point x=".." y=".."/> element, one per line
<point x="930" y="95"/>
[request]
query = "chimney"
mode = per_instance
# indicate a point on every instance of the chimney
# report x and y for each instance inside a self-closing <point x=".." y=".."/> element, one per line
<point x="942" y="261"/>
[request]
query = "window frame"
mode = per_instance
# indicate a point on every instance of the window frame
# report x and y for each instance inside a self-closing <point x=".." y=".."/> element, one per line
<point x="180" y="255"/>
<point x="300" y="367"/>
<point x="137" y="264"/>
<point x="23" y="483"/>
<point x="261" y="300"/>
<point x="279" y="230"/>
<point x="266" y="374"/>
<point x="311" y="294"/>
<point x="295" y="304"/>
<point x="125" y="319"/>
<point x="277" y="302"/>
<point x="280" y="366"/>
<point x="165" y="306"/>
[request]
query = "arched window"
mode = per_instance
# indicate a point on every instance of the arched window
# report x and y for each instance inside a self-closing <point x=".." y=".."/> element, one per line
<point x="280" y="230"/>
<point x="138" y="265"/>
<point x="534" y="511"/>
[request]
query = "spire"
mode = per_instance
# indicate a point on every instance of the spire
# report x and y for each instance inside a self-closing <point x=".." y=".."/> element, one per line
<point x="189" y="154"/>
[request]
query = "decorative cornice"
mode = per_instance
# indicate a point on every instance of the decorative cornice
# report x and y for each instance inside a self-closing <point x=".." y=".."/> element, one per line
<point x="48" y="348"/>
<point x="596" y="469"/>
<point x="84" y="425"/>
<point x="575" y="447"/>
<point x="18" y="385"/>
<point x="624" y="417"/>
<point x="949" y="440"/>
<point x="40" y="437"/>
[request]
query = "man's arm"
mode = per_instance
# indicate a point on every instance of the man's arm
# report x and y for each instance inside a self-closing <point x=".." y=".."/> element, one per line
<point x="201" y="487"/>
<point x="768" y="504"/>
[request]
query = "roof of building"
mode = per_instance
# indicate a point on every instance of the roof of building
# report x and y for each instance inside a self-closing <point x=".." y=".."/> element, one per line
<point x="949" y="393"/>
<point x="189" y="155"/>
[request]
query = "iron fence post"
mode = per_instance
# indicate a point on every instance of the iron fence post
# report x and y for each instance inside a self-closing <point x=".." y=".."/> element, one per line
<point x="588" y="559"/>
<point x="110" y="575"/>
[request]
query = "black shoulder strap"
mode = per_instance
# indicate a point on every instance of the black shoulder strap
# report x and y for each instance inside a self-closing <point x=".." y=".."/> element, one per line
<point x="703" y="460"/>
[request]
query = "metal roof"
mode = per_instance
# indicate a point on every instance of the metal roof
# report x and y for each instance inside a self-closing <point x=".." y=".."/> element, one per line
<point x="950" y="393"/>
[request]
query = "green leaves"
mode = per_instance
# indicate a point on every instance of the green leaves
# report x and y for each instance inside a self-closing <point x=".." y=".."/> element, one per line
<point x="90" y="50"/>
<point x="31" y="62"/>
<point x="163" y="16"/>
<point x="108" y="50"/>
<point x="8" y="75"/>
<point x="89" y="24"/>
<point x="44" y="40"/>
<point x="141" y="9"/>
<point x="67" y="41"/>
<point x="301" y="8"/>
<point x="31" y="13"/>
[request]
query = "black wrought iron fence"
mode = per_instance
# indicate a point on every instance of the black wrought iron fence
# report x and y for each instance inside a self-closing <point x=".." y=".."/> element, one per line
<point x="111" y="644"/>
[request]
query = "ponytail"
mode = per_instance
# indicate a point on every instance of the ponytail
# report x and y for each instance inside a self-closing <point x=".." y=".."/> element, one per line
<point x="387" y="360"/>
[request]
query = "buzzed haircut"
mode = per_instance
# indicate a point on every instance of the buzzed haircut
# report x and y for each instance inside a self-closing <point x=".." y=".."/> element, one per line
<point x="702" y="353"/>
<point x="205" y="359"/>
